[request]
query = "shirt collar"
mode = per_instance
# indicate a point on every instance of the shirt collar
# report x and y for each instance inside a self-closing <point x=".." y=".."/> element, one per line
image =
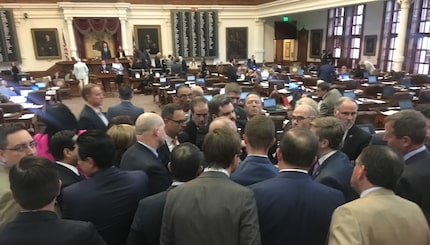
<point x="96" y="109"/>
<point x="220" y="170"/>
<point x="149" y="148"/>
<point x="293" y="170"/>
<point x="413" y="153"/>
<point x="325" y="157"/>
<point x="367" y="191"/>
<point x="69" y="166"/>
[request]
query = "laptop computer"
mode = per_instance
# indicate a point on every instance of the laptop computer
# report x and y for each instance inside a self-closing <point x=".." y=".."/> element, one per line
<point x="191" y="78"/>
<point x="387" y="92"/>
<point x="349" y="93"/>
<point x="344" y="77"/>
<point x="405" y="104"/>
<point x="269" y="104"/>
<point x="208" y="97"/>
<point x="163" y="80"/>
<point x="41" y="85"/>
<point x="372" y="79"/>
<point x="200" y="82"/>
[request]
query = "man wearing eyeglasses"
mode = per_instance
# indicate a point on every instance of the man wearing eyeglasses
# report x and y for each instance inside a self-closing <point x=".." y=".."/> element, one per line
<point x="15" y="144"/>
<point x="183" y="98"/>
<point x="303" y="115"/>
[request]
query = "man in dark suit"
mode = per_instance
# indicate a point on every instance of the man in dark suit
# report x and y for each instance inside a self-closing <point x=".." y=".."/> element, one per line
<point x="333" y="167"/>
<point x="185" y="164"/>
<point x="157" y="60"/>
<point x="259" y="137"/>
<point x="109" y="198"/>
<point x="105" y="68"/>
<point x="197" y="127"/>
<point x="355" y="139"/>
<point x="143" y="154"/>
<point x="326" y="72"/>
<point x="35" y="184"/>
<point x="251" y="63"/>
<point x="232" y="71"/>
<point x="405" y="132"/>
<point x="147" y="58"/>
<point x="91" y="116"/>
<point x="233" y="91"/>
<point x="105" y="52"/>
<point x="212" y="209"/>
<point x="293" y="209"/>
<point x="125" y="107"/>
<point x="176" y="69"/>
<point x="63" y="148"/>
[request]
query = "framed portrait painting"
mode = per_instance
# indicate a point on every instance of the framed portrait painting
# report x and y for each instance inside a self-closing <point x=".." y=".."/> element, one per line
<point x="46" y="43"/>
<point x="316" y="43"/>
<point x="237" y="42"/>
<point x="370" y="45"/>
<point x="148" y="37"/>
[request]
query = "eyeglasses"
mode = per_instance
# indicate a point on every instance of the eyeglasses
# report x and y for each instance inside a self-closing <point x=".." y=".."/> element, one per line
<point x="184" y="96"/>
<point x="298" y="118"/>
<point x="22" y="147"/>
<point x="180" y="122"/>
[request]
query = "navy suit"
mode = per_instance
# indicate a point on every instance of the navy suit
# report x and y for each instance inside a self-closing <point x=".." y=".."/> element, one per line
<point x="231" y="73"/>
<point x="293" y="209"/>
<point x="138" y="157"/>
<point x="254" y="169"/>
<point x="124" y="108"/>
<point x="67" y="176"/>
<point x="109" y="200"/>
<point x="327" y="73"/>
<point x="336" y="172"/>
<point x="88" y="119"/>
<point x="105" y="54"/>
<point x="45" y="228"/>
<point x="356" y="140"/>
<point x="415" y="181"/>
<point x="195" y="135"/>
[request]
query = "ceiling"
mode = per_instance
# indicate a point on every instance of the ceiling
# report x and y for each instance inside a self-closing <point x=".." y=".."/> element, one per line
<point x="163" y="2"/>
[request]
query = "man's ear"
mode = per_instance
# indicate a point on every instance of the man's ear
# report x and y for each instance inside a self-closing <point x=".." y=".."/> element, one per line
<point x="2" y="156"/>
<point x="169" y="167"/>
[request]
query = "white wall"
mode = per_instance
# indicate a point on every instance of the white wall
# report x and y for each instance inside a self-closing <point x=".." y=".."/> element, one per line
<point x="373" y="26"/>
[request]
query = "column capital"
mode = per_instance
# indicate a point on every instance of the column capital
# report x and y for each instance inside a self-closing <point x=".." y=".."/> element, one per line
<point x="123" y="19"/>
<point x="68" y="19"/>
<point x="259" y="21"/>
<point x="405" y="3"/>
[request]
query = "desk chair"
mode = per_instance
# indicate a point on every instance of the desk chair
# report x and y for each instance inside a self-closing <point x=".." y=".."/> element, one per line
<point x="394" y="101"/>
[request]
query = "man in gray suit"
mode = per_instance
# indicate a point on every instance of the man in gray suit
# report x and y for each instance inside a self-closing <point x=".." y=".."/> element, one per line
<point x="212" y="209"/>
<point x="125" y="107"/>
<point x="328" y="97"/>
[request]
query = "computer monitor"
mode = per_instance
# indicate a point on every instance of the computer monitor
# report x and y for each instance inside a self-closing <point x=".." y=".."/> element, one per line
<point x="243" y="95"/>
<point x="34" y="87"/>
<point x="344" y="77"/>
<point x="406" y="81"/>
<point x="372" y="79"/>
<point x="269" y="102"/>
<point x="163" y="80"/>
<point x="280" y="84"/>
<point x="424" y="96"/>
<point x="177" y="85"/>
<point x="349" y="93"/>
<point x="293" y="85"/>
<point x="41" y="85"/>
<point x="405" y="104"/>
<point x="387" y="92"/>
<point x="200" y="82"/>
<point x="301" y="72"/>
<point x="191" y="78"/>
<point x="24" y="76"/>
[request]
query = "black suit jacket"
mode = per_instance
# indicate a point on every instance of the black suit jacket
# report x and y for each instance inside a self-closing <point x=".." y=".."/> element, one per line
<point x="106" y="68"/>
<point x="108" y="199"/>
<point x="356" y="140"/>
<point x="88" y="119"/>
<point x="138" y="157"/>
<point x="415" y="181"/>
<point x="157" y="62"/>
<point x="336" y="172"/>
<point x="146" y="225"/>
<point x="163" y="151"/>
<point x="195" y="135"/>
<point x="45" y="228"/>
<point x="231" y="73"/>
<point x="67" y="176"/>
<point x="124" y="108"/>
<point x="105" y="55"/>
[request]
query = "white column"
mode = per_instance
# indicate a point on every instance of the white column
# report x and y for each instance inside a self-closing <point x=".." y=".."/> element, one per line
<point x="124" y="34"/>
<point x="259" y="40"/>
<point x="72" y="42"/>
<point x="401" y="37"/>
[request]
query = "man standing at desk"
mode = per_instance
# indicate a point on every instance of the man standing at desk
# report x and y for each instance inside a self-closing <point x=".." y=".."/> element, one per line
<point x="105" y="52"/>
<point x="80" y="70"/>
<point x="104" y="68"/>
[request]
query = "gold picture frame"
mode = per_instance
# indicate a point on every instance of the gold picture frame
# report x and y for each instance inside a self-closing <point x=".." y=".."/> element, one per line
<point x="46" y="43"/>
<point x="148" y="36"/>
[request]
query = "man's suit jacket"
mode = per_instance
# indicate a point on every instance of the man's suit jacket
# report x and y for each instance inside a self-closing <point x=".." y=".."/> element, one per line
<point x="293" y="209"/>
<point x="336" y="172"/>
<point x="105" y="55"/>
<point x="176" y="69"/>
<point x="146" y="225"/>
<point x="157" y="62"/>
<point x="8" y="207"/>
<point x="67" y="176"/>
<point x="195" y="135"/>
<point x="45" y="228"/>
<point x="210" y="210"/>
<point x="240" y="114"/>
<point x="124" y="108"/>
<point x="328" y="101"/>
<point x="88" y="119"/>
<point x="106" y="68"/>
<point x="356" y="140"/>
<point x="415" y="181"/>
<point x="231" y="73"/>
<point x="164" y="152"/>
<point x="109" y="200"/>
<point x="138" y="157"/>
<point x="379" y="218"/>
<point x="327" y="73"/>
<point x="254" y="169"/>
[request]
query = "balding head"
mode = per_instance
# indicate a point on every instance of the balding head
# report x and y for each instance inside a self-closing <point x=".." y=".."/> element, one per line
<point x="196" y="91"/>
<point x="303" y="115"/>
<point x="146" y="122"/>
<point x="222" y="122"/>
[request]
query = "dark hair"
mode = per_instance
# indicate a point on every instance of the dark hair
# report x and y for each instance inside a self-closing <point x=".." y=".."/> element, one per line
<point x="34" y="182"/>
<point x="260" y="131"/>
<point x="185" y="161"/>
<point x="218" y="101"/>
<point x="383" y="165"/>
<point x="220" y="146"/>
<point x="233" y="88"/>
<point x="125" y="92"/>
<point x="324" y="86"/>
<point x="196" y="101"/>
<point x="409" y="123"/>
<point x="60" y="141"/>
<point x="97" y="145"/>
<point x="86" y="90"/>
<point x="424" y="109"/>
<point x="122" y="119"/>
<point x="169" y="109"/>
<point x="6" y="130"/>
<point x="299" y="147"/>
<point x="331" y="129"/>
<point x="59" y="117"/>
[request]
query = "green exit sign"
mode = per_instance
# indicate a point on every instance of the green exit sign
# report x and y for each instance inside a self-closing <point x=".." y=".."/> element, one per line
<point x="285" y="19"/>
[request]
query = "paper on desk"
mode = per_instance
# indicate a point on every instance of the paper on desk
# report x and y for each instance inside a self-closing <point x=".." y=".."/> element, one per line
<point x="389" y="112"/>
<point x="26" y="116"/>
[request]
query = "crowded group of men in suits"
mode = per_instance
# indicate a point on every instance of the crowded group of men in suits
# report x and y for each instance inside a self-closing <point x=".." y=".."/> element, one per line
<point x="212" y="172"/>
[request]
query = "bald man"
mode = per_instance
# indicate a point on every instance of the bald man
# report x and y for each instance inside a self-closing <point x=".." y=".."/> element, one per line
<point x="143" y="154"/>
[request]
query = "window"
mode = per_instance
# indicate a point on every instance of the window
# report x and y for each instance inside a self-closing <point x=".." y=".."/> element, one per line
<point x="389" y="35"/>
